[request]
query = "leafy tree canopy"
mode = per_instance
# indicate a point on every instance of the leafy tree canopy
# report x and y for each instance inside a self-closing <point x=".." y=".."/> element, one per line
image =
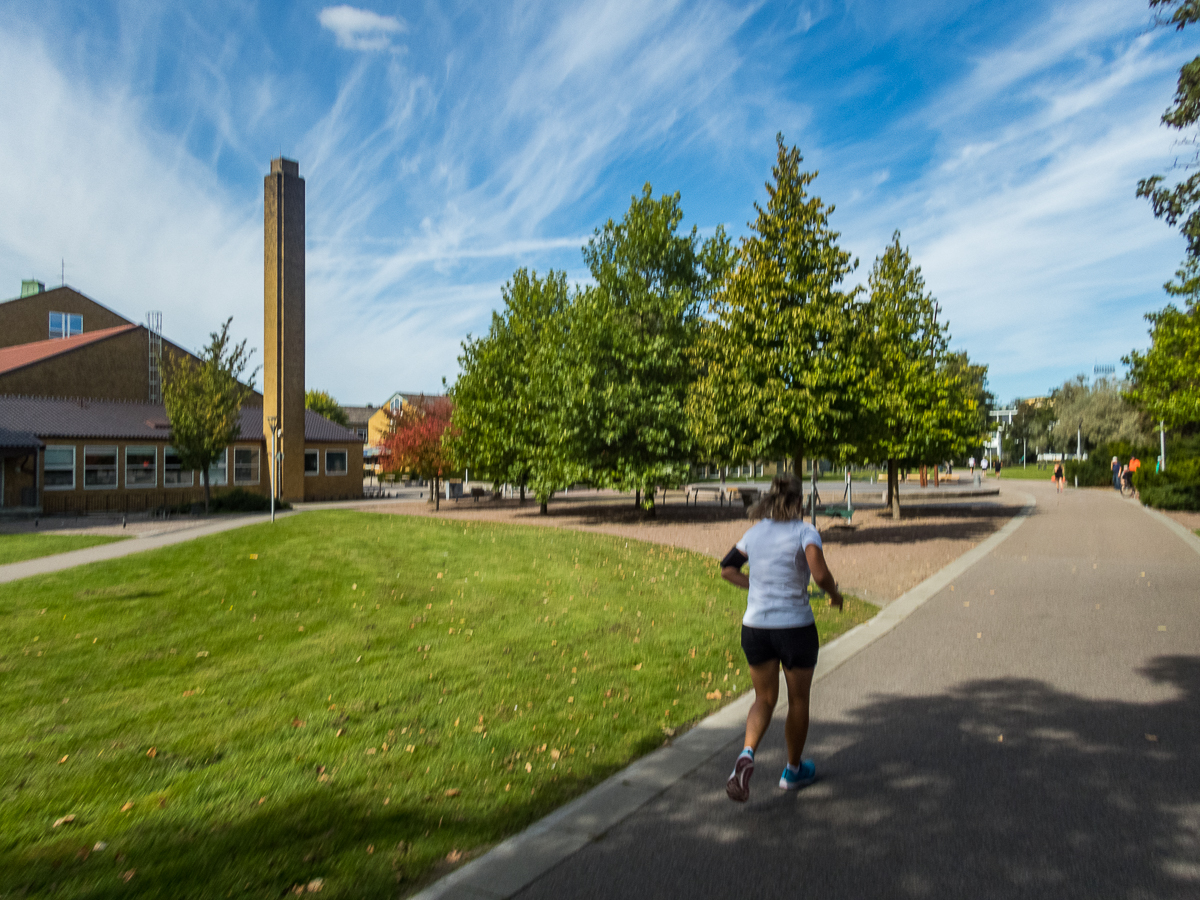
<point x="1100" y="407"/>
<point x="1165" y="380"/>
<point x="204" y="401"/>
<point x="631" y="342"/>
<point x="780" y="366"/>
<point x="323" y="404"/>
<point x="417" y="441"/>
<point x="1179" y="204"/>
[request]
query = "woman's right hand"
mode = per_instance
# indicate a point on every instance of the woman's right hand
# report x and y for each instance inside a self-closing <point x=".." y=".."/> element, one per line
<point x="836" y="599"/>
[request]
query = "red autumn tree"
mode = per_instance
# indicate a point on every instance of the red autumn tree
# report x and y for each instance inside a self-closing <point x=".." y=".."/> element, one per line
<point x="416" y="441"/>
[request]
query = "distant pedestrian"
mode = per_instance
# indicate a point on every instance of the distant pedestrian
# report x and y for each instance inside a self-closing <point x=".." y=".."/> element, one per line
<point x="1116" y="474"/>
<point x="983" y="465"/>
<point x="997" y="467"/>
<point x="784" y="552"/>
<point x="1059" y="476"/>
<point x="1134" y="465"/>
<point x="971" y="464"/>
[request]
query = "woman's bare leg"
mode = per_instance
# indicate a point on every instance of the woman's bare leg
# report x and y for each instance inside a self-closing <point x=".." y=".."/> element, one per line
<point x="765" y="677"/>
<point x="799" y="682"/>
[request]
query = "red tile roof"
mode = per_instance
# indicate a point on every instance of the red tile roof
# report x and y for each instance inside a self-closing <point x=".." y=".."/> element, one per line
<point x="22" y="355"/>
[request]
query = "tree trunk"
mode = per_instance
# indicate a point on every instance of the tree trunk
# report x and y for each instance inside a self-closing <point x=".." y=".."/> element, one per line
<point x="207" y="490"/>
<point x="545" y="508"/>
<point x="637" y="498"/>
<point x="437" y="492"/>
<point x="522" y="492"/>
<point x="893" y="489"/>
<point x="936" y="479"/>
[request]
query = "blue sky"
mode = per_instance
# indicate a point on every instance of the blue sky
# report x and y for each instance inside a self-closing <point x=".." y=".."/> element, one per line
<point x="446" y="144"/>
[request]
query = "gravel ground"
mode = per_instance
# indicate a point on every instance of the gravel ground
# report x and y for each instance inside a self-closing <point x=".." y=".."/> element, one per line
<point x="877" y="559"/>
<point x="1187" y="519"/>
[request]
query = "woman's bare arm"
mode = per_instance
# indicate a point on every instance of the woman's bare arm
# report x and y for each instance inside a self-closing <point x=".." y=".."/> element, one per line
<point x="736" y="577"/>
<point x="821" y="574"/>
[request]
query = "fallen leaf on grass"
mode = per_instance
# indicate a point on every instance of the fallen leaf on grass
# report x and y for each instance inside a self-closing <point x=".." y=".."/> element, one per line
<point x="64" y="759"/>
<point x="410" y="748"/>
<point x="554" y="754"/>
<point x="454" y="856"/>
<point x="714" y="695"/>
<point x="254" y="556"/>
<point x="201" y="653"/>
<point x="370" y="848"/>
<point x="453" y="792"/>
<point x="152" y="752"/>
<point x="128" y="876"/>
<point x="99" y="846"/>
<point x="297" y="723"/>
<point x="637" y="667"/>
<point x="370" y="751"/>
<point x="65" y="820"/>
<point x="301" y="628"/>
<point x="340" y="732"/>
<point x="528" y="767"/>
<point x="1152" y="737"/>
<point x="127" y="807"/>
<point x="315" y="885"/>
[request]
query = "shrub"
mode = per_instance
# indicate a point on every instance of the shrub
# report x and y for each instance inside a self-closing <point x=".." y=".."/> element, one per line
<point x="1177" y="488"/>
<point x="1092" y="472"/>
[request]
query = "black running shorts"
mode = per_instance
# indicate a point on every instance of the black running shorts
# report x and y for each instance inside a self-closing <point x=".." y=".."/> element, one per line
<point x="796" y="648"/>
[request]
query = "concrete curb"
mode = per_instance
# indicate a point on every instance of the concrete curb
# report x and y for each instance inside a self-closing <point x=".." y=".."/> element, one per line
<point x="44" y="565"/>
<point x="1188" y="537"/>
<point x="518" y="861"/>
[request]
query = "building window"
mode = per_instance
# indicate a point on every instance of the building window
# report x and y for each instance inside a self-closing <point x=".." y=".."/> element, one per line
<point x="312" y="462"/>
<point x="100" y="468"/>
<point x="174" y="475"/>
<point x="141" y="467"/>
<point x="396" y="404"/>
<point x="64" y="325"/>
<point x="362" y="433"/>
<point x="60" y="468"/>
<point x="245" y="465"/>
<point x="335" y="462"/>
<point x="218" y="472"/>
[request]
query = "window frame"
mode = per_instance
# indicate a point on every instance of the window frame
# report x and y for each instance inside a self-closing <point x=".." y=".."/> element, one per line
<point x="66" y="320"/>
<point x="222" y="466"/>
<point x="257" y="465"/>
<point x="345" y="470"/>
<point x="95" y="450"/>
<point x="138" y="448"/>
<point x="168" y="450"/>
<point x="317" y="468"/>
<point x="46" y="468"/>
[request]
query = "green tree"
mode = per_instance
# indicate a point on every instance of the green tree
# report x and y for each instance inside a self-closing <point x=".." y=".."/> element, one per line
<point x="919" y="408"/>
<point x="1098" y="411"/>
<point x="508" y="396"/>
<point x="1031" y="425"/>
<point x="1179" y="204"/>
<point x="780" y="365"/>
<point x="631" y="346"/>
<point x="204" y="401"/>
<point x="972" y="379"/>
<point x="1165" y="380"/>
<point x="323" y="404"/>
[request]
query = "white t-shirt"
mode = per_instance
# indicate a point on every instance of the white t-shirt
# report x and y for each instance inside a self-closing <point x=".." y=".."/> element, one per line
<point x="779" y="574"/>
<point x="971" y="462"/>
<point x="983" y="464"/>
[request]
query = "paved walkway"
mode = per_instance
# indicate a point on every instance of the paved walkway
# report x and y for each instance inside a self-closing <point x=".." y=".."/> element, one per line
<point x="1031" y="730"/>
<point x="134" y="544"/>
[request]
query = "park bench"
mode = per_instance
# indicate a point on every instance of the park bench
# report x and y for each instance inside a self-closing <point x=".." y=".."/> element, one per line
<point x="845" y="513"/>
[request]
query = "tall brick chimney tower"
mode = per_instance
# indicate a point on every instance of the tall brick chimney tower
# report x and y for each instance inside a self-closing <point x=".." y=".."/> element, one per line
<point x="283" y="321"/>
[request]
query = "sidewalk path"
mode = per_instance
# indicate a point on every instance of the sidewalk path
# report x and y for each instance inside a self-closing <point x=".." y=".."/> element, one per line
<point x="1032" y="731"/>
<point x="134" y="544"/>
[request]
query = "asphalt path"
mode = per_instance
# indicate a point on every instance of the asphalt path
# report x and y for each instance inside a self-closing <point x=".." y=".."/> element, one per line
<point x="1032" y="730"/>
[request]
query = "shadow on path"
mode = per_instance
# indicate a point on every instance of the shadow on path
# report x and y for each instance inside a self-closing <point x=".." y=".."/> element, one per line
<point x="920" y="797"/>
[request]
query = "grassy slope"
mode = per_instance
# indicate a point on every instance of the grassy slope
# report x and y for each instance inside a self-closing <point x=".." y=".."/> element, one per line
<point x="308" y="713"/>
<point x="17" y="547"/>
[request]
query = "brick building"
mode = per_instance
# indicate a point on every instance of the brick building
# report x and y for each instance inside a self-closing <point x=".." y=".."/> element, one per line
<point x="82" y="424"/>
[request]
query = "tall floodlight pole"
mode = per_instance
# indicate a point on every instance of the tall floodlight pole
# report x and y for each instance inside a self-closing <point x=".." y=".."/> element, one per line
<point x="273" y="424"/>
<point x="1079" y="442"/>
<point x="1162" y="447"/>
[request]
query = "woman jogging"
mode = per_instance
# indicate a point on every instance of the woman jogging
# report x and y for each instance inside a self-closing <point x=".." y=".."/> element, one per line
<point x="783" y="551"/>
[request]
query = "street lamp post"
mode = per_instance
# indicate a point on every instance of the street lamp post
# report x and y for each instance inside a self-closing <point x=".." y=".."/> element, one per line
<point x="1162" y="447"/>
<point x="273" y="424"/>
<point x="1079" y="442"/>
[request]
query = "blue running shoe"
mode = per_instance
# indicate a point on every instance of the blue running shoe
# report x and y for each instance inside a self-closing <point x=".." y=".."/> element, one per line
<point x="793" y="781"/>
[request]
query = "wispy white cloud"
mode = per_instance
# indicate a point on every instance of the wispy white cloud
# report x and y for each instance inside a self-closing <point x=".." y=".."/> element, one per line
<point x="361" y="29"/>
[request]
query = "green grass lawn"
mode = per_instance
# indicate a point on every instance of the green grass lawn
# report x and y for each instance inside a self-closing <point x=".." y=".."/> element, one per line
<point x="341" y="696"/>
<point x="1029" y="473"/>
<point x="16" y="547"/>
